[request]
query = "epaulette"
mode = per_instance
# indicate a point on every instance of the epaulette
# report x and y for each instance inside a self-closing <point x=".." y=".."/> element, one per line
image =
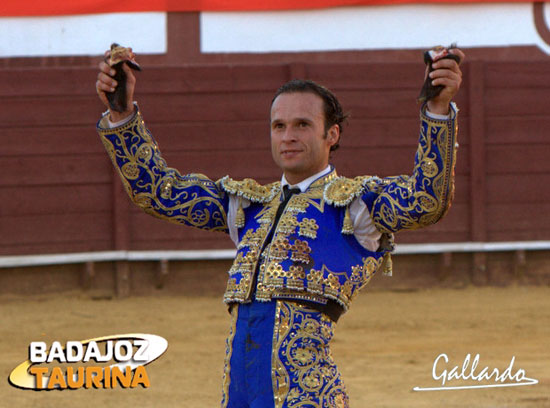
<point x="342" y="191"/>
<point x="250" y="189"/>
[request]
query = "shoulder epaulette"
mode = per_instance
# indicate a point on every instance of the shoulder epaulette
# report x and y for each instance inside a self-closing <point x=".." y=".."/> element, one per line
<point x="342" y="191"/>
<point x="250" y="189"/>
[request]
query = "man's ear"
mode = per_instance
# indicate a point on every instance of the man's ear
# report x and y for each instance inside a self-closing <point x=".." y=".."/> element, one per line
<point x="333" y="135"/>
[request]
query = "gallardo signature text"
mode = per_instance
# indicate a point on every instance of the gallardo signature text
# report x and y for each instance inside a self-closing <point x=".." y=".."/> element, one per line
<point x="506" y="378"/>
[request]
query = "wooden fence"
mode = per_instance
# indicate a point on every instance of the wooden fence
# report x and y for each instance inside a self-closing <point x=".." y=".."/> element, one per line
<point x="59" y="192"/>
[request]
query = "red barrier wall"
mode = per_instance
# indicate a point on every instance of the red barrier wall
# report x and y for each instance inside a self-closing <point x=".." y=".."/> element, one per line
<point x="59" y="192"/>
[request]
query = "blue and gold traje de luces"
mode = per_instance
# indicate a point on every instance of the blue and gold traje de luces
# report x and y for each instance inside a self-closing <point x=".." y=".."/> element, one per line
<point x="313" y="255"/>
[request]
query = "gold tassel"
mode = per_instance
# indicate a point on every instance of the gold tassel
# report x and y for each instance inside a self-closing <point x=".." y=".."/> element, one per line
<point x="387" y="264"/>
<point x="347" y="228"/>
<point x="239" y="219"/>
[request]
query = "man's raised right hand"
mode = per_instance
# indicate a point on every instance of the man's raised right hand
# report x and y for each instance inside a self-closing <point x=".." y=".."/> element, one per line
<point x="106" y="83"/>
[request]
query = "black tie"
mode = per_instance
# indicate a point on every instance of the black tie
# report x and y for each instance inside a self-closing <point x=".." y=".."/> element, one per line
<point x="287" y="193"/>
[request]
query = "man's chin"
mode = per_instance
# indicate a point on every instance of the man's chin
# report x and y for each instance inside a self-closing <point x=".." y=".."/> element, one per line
<point x="290" y="168"/>
<point x="289" y="163"/>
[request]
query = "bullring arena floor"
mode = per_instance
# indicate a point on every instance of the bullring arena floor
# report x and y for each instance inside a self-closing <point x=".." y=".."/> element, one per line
<point x="385" y="346"/>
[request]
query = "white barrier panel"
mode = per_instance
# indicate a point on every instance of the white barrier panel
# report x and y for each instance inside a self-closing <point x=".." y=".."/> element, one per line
<point x="82" y="35"/>
<point x="217" y="254"/>
<point x="373" y="27"/>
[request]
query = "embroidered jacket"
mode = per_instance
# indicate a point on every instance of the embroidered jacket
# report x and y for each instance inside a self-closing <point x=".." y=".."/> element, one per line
<point x="313" y="254"/>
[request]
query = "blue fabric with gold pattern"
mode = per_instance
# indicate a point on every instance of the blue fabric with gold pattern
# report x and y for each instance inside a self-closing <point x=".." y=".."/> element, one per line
<point x="278" y="355"/>
<point x="161" y="191"/>
<point x="296" y="263"/>
<point x="248" y="380"/>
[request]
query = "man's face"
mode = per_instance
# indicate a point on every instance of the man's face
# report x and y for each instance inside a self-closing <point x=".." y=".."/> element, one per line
<point x="298" y="143"/>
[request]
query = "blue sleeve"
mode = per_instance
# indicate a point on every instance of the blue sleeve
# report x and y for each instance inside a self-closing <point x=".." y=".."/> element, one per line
<point x="191" y="199"/>
<point x="411" y="202"/>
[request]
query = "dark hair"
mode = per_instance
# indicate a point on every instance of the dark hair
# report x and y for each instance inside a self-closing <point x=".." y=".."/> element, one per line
<point x="334" y="115"/>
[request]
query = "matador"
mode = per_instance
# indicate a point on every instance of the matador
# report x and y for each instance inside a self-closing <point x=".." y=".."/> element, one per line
<point x="307" y="244"/>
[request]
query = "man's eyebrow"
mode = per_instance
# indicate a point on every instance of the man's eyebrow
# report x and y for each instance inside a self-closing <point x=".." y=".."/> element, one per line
<point x="293" y="120"/>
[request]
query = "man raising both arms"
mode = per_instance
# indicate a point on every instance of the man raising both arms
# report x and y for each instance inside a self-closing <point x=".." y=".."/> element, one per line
<point x="306" y="244"/>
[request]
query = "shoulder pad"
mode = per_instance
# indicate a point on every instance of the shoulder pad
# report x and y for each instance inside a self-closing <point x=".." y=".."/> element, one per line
<point x="250" y="189"/>
<point x="342" y="191"/>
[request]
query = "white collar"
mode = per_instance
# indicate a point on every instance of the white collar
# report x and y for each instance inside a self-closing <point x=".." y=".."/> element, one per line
<point x="304" y="184"/>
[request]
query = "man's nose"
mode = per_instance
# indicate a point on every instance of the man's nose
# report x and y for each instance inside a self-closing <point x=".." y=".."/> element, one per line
<point x="289" y="135"/>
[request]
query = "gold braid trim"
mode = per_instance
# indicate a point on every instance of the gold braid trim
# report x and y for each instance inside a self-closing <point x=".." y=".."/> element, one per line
<point x="250" y="189"/>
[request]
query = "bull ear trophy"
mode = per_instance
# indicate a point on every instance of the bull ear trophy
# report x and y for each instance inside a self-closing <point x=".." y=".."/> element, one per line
<point x="429" y="91"/>
<point x="120" y="55"/>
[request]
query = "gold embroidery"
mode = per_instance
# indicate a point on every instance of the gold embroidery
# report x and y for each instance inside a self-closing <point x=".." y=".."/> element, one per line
<point x="279" y="249"/>
<point x="296" y="276"/>
<point x="130" y="170"/>
<point x="280" y="279"/>
<point x="300" y="251"/>
<point x="332" y="284"/>
<point x="363" y="275"/>
<point x="280" y="377"/>
<point x="291" y="294"/>
<point x="264" y="292"/>
<point x="429" y="168"/>
<point x="253" y="238"/>
<point x="228" y="354"/>
<point x="267" y="214"/>
<point x="234" y="291"/>
<point x="244" y="263"/>
<point x="313" y="198"/>
<point x="275" y="281"/>
<point x="422" y="199"/>
<point x="347" y="228"/>
<point x="315" y="281"/>
<point x="239" y="219"/>
<point x="250" y="189"/>
<point x="161" y="191"/>
<point x="166" y="188"/>
<point x="342" y="191"/>
<point x="247" y="238"/>
<point x="287" y="224"/>
<point x="274" y="276"/>
<point x="298" y="203"/>
<point x="344" y="292"/>
<point x="308" y="228"/>
<point x="302" y="361"/>
<point x="320" y="183"/>
<point x="145" y="152"/>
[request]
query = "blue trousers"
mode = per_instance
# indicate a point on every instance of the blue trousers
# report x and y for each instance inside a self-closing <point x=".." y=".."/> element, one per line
<point x="278" y="356"/>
